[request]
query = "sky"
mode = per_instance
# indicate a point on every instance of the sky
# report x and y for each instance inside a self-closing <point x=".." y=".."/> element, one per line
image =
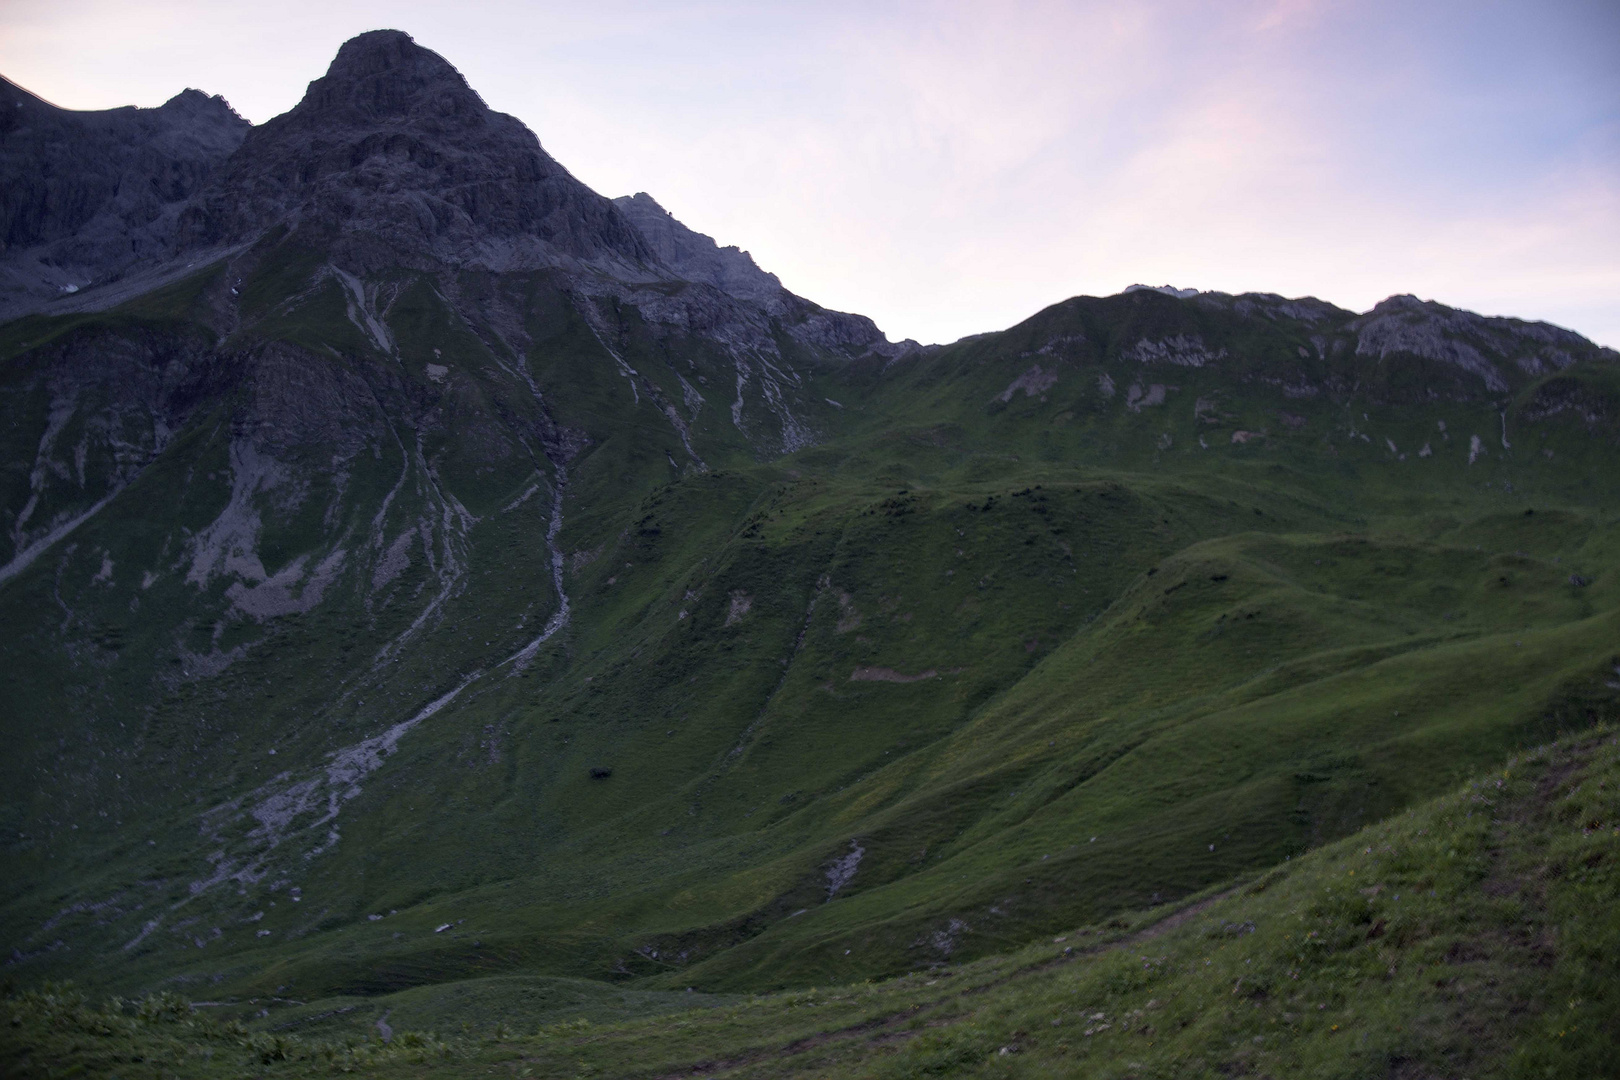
<point x="950" y="168"/>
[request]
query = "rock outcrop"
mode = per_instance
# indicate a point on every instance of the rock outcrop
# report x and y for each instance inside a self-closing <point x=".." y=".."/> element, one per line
<point x="1479" y="345"/>
<point x="85" y="196"/>
<point x="696" y="257"/>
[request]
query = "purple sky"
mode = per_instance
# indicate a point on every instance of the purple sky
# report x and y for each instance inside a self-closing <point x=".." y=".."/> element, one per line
<point x="949" y="168"/>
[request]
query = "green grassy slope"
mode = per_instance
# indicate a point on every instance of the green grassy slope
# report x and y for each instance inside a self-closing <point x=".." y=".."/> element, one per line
<point x="1039" y="643"/>
<point x="1475" y="934"/>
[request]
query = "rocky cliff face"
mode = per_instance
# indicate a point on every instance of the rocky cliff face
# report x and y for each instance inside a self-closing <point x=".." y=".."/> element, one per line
<point x="697" y="257"/>
<point x="84" y="196"/>
<point x="691" y="256"/>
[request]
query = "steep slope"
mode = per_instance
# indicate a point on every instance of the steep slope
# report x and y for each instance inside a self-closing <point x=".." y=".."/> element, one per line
<point x="960" y="683"/>
<point x="302" y="471"/>
<point x="465" y="575"/>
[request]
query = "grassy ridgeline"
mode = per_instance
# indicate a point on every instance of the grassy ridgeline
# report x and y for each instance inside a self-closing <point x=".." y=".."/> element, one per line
<point x="1476" y="934"/>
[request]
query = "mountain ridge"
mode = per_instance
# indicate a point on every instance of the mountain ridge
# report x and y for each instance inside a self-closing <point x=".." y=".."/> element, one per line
<point x="92" y="193"/>
<point x="380" y="88"/>
<point x="392" y="158"/>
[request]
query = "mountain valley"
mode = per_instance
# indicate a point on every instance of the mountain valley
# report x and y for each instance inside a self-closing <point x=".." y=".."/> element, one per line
<point x="441" y="598"/>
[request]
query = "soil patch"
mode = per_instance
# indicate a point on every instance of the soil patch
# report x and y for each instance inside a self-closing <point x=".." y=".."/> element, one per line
<point x="883" y="674"/>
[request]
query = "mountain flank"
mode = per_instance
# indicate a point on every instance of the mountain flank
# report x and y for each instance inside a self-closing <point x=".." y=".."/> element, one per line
<point x="90" y="195"/>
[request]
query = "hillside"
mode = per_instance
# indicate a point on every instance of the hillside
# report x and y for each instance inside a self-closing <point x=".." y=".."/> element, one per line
<point x="1473" y="935"/>
<point x="436" y="587"/>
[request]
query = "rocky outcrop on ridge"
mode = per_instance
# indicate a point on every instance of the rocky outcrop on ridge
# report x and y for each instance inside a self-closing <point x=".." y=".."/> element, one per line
<point x="84" y="196"/>
<point x="1480" y="345"/>
<point x="694" y="256"/>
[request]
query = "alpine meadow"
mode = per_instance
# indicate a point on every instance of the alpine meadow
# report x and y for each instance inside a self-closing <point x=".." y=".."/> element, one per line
<point x="459" y="624"/>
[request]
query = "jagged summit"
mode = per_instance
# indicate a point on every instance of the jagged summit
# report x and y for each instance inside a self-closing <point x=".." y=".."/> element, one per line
<point x="392" y="168"/>
<point x="392" y="159"/>
<point x="385" y="73"/>
<point x="1168" y="290"/>
<point x="200" y="103"/>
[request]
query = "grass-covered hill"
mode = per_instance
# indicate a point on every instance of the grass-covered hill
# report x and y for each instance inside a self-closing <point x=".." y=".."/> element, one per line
<point x="372" y="636"/>
<point x="1474" y="934"/>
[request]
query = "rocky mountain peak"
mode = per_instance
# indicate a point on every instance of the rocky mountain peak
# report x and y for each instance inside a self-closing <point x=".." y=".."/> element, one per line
<point x="392" y="159"/>
<point x="204" y="106"/>
<point x="385" y="74"/>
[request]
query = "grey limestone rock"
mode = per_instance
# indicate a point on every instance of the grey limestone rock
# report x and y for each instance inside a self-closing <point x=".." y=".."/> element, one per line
<point x="1182" y="350"/>
<point x="694" y="256"/>
<point x="85" y="196"/>
<point x="1271" y="306"/>
<point x="1168" y="290"/>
